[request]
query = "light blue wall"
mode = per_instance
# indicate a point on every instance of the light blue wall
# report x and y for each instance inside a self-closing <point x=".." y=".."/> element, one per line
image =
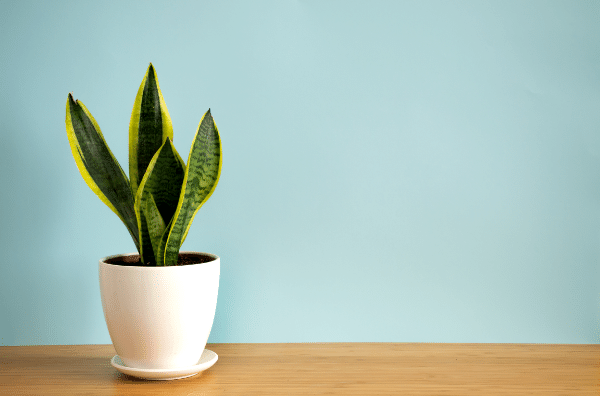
<point x="393" y="171"/>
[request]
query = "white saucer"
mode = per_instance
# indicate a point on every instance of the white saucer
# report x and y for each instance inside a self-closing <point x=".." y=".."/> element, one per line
<point x="206" y="361"/>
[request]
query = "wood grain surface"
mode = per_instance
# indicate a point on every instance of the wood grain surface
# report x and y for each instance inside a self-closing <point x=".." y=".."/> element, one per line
<point x="319" y="369"/>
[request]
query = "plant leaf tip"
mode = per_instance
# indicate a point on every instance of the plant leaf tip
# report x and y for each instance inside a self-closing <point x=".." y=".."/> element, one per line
<point x="72" y="100"/>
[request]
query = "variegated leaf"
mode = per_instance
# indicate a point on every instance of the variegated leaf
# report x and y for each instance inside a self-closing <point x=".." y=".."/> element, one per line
<point x="98" y="166"/>
<point x="201" y="177"/>
<point x="162" y="184"/>
<point x="149" y="127"/>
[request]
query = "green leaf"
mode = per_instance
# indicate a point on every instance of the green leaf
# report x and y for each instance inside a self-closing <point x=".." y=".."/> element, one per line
<point x="162" y="184"/>
<point x="98" y="166"/>
<point x="201" y="177"/>
<point x="163" y="242"/>
<point x="149" y="127"/>
<point x="147" y="256"/>
<point x="155" y="223"/>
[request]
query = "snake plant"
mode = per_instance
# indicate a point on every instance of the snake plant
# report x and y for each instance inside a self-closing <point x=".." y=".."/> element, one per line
<point x="159" y="200"/>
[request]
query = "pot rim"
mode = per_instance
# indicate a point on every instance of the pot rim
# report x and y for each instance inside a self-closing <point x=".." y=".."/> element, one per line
<point x="103" y="260"/>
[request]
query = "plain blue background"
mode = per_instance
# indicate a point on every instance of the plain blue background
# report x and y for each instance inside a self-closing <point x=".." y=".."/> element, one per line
<point x="393" y="171"/>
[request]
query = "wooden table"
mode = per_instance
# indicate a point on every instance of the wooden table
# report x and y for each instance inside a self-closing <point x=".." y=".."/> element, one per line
<point x="313" y="368"/>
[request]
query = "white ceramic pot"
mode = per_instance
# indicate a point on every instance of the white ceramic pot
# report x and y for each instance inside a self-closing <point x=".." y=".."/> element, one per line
<point x="159" y="317"/>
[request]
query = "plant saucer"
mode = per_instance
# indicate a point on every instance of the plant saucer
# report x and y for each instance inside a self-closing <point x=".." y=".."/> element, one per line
<point x="207" y="360"/>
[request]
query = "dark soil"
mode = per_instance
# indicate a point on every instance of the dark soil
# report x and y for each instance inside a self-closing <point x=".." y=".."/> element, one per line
<point x="184" y="259"/>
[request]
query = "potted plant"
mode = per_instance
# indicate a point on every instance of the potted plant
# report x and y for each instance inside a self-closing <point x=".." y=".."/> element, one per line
<point x="159" y="303"/>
